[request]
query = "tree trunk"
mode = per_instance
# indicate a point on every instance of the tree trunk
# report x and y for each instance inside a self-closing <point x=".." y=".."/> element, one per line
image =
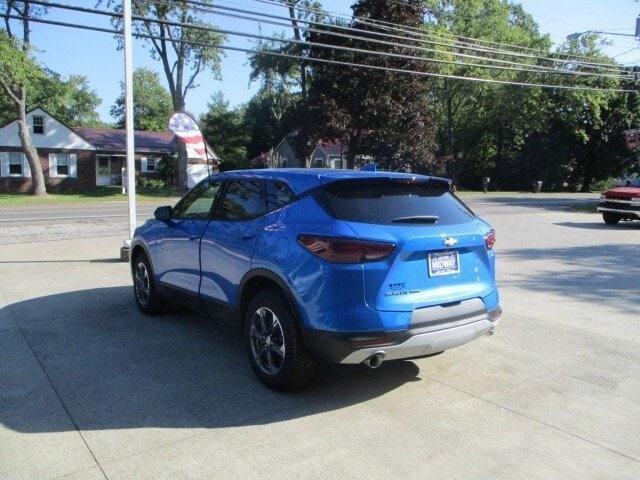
<point x="37" y="177"/>
<point x="183" y="180"/>
<point x="587" y="179"/>
<point x="452" y="170"/>
<point x="351" y="150"/>
<point x="298" y="37"/>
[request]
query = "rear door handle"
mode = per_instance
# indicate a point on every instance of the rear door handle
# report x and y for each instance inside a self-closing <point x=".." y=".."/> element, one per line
<point x="193" y="237"/>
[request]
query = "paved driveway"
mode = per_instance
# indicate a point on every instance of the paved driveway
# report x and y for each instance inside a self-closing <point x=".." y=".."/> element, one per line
<point x="89" y="388"/>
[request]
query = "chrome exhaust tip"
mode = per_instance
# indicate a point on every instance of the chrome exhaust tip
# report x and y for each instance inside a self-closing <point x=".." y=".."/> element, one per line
<point x="375" y="360"/>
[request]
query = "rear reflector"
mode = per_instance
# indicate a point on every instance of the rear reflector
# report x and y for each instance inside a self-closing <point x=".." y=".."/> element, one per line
<point x="345" y="250"/>
<point x="494" y="314"/>
<point x="490" y="239"/>
<point x="369" y="342"/>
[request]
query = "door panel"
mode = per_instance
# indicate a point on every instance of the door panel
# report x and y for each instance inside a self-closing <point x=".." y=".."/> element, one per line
<point x="229" y="240"/>
<point x="177" y="250"/>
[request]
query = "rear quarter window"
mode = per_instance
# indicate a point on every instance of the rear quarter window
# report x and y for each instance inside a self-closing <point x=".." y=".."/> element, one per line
<point x="278" y="195"/>
<point x="385" y="201"/>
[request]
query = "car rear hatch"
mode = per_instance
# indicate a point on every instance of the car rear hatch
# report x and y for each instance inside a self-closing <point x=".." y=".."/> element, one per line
<point x="440" y="255"/>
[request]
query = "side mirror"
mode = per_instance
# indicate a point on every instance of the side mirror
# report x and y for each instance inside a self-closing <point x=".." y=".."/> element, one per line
<point x="163" y="214"/>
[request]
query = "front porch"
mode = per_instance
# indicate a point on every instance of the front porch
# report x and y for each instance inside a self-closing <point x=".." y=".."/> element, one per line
<point x="109" y="169"/>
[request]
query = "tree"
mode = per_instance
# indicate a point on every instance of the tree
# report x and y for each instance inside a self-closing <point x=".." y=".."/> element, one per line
<point x="385" y="114"/>
<point x="269" y="117"/>
<point x="17" y="73"/>
<point x="285" y="83"/>
<point x="152" y="106"/>
<point x="71" y="101"/>
<point x="481" y="126"/>
<point x="184" y="51"/>
<point x="589" y="125"/>
<point x="225" y="131"/>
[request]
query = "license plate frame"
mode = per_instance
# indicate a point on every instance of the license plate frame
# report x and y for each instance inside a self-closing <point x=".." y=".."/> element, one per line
<point x="443" y="271"/>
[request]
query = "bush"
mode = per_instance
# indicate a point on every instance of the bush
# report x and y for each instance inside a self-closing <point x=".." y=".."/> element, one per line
<point x="146" y="184"/>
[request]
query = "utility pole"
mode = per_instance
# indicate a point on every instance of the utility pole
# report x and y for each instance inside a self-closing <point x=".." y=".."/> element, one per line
<point x="128" y="89"/>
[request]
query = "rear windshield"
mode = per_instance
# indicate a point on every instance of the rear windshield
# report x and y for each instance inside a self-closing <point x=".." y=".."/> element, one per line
<point x="395" y="202"/>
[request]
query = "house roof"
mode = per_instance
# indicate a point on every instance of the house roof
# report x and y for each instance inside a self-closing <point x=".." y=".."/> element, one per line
<point x="332" y="147"/>
<point x="263" y="159"/>
<point x="115" y="140"/>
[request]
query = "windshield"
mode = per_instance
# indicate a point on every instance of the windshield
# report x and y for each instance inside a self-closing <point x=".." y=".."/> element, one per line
<point x="392" y="202"/>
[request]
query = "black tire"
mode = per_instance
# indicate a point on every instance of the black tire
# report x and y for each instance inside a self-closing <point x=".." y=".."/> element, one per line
<point x="281" y="347"/>
<point x="610" y="218"/>
<point x="150" y="303"/>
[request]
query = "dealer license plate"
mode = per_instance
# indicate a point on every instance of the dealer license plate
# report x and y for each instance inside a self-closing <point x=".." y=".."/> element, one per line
<point x="443" y="263"/>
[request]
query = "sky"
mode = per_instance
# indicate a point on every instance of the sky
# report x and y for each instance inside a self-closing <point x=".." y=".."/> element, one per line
<point x="94" y="54"/>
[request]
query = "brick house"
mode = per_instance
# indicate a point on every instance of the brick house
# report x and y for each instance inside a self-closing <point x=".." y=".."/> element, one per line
<point x="83" y="158"/>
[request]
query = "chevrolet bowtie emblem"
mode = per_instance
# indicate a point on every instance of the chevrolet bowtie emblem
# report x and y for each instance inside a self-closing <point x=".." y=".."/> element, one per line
<point x="449" y="241"/>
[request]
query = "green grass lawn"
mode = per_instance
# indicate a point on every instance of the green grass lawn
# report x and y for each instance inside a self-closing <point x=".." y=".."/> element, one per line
<point x="100" y="194"/>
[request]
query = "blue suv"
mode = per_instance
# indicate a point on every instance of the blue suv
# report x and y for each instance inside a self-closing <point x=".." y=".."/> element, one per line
<point x="323" y="266"/>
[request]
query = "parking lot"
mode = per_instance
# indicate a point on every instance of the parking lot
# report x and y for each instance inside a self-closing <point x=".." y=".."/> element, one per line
<point x="90" y="388"/>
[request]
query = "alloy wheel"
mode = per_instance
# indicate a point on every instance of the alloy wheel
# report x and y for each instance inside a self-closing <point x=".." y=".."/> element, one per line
<point x="142" y="283"/>
<point x="267" y="341"/>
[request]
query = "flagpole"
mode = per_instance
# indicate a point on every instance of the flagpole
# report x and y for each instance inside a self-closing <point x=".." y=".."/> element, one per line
<point x="128" y="87"/>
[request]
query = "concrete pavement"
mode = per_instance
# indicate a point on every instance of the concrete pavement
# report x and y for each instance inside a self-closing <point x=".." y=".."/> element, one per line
<point x="89" y="388"/>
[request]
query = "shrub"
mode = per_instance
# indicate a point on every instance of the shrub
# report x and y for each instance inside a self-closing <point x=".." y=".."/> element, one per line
<point x="146" y="184"/>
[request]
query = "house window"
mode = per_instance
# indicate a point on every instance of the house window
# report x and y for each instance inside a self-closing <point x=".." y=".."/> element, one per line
<point x="335" y="162"/>
<point x="62" y="165"/>
<point x="38" y="124"/>
<point x="16" y="164"/>
<point x="151" y="165"/>
<point x="318" y="162"/>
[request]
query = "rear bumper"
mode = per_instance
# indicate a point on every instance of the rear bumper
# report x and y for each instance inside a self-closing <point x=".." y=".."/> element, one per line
<point x="432" y="330"/>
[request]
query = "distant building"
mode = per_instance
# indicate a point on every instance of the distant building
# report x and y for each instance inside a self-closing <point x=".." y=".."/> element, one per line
<point x="84" y="158"/>
<point x="329" y="154"/>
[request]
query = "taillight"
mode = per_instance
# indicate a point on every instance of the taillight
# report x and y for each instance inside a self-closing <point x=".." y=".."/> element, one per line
<point x="346" y="250"/>
<point x="490" y="239"/>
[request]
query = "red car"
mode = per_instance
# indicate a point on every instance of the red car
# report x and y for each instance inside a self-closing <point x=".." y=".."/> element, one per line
<point x="621" y="203"/>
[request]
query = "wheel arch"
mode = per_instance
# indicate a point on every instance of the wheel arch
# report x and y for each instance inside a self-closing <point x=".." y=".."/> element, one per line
<point x="136" y="249"/>
<point x="261" y="279"/>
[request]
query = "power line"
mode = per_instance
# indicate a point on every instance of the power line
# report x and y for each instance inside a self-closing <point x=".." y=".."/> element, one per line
<point x="201" y="6"/>
<point x="370" y="52"/>
<point x="625" y="52"/>
<point x="525" y="67"/>
<point x="206" y="7"/>
<point x="530" y="69"/>
<point x="321" y="60"/>
<point x="419" y="32"/>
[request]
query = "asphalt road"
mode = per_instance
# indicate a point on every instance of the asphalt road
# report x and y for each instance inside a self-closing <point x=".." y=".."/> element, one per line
<point x="90" y="388"/>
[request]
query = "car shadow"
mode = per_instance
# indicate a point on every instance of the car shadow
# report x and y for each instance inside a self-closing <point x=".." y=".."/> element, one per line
<point x="114" y="368"/>
<point x="601" y="225"/>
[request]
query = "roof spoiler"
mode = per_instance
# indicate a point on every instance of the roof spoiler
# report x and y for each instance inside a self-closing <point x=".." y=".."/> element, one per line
<point x="445" y="182"/>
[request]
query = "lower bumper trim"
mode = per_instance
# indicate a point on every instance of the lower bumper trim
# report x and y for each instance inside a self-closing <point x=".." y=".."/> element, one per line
<point x="424" y="344"/>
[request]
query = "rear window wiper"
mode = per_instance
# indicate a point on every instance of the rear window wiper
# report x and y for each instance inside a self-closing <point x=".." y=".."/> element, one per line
<point x="417" y="219"/>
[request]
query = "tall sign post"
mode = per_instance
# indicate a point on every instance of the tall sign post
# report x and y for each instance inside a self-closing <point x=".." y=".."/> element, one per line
<point x="128" y="89"/>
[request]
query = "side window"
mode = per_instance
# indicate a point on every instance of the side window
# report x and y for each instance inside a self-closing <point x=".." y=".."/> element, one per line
<point x="278" y="195"/>
<point x="243" y="200"/>
<point x="198" y="203"/>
